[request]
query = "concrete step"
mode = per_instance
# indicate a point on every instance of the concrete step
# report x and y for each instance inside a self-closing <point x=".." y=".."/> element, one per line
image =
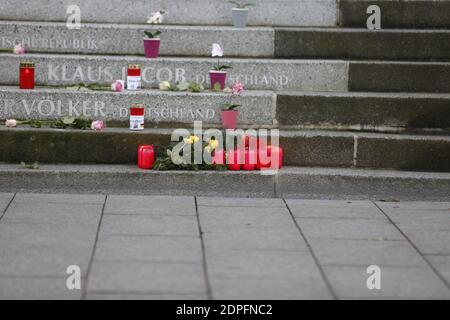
<point x="94" y="38"/>
<point x="301" y="148"/>
<point x="360" y="111"/>
<point x="257" y="74"/>
<point x="290" y="182"/>
<point x="393" y="76"/>
<point x="397" y="13"/>
<point x="339" y="43"/>
<point x="367" y="111"/>
<point x="163" y="108"/>
<point x="200" y="12"/>
<point x="329" y="43"/>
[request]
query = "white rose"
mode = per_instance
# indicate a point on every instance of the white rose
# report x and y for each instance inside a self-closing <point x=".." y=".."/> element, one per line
<point x="165" y="86"/>
<point x="11" y="123"/>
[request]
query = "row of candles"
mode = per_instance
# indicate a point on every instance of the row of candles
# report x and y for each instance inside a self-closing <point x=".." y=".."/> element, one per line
<point x="26" y="76"/>
<point x="247" y="160"/>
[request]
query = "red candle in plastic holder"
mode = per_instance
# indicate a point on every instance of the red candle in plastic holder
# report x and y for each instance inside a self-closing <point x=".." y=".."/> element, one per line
<point x="146" y="157"/>
<point x="26" y="75"/>
<point x="250" y="160"/>
<point x="272" y="153"/>
<point x="233" y="163"/>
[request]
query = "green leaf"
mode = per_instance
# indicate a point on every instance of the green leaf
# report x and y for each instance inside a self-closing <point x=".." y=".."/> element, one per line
<point x="183" y="86"/>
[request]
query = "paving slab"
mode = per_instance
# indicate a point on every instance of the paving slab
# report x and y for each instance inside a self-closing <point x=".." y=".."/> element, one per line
<point x="145" y="296"/>
<point x="350" y="229"/>
<point x="149" y="225"/>
<point x="222" y="219"/>
<point x="263" y="274"/>
<point x="334" y="209"/>
<point x="307" y="288"/>
<point x="148" y="248"/>
<point x="442" y="265"/>
<point x="243" y="239"/>
<point x="5" y="199"/>
<point x="147" y="278"/>
<point x="396" y="283"/>
<point x="150" y="205"/>
<point x="416" y="210"/>
<point x="259" y="264"/>
<point x="58" y="198"/>
<point x="254" y="74"/>
<point x="333" y="252"/>
<point x="42" y="260"/>
<point x="239" y="202"/>
<point x="429" y="241"/>
<point x="21" y="288"/>
<point x="49" y="233"/>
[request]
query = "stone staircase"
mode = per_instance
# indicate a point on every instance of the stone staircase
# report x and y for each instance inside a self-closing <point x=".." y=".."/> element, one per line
<point x="362" y="114"/>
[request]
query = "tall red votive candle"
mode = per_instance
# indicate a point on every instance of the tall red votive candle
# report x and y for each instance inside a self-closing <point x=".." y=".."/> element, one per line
<point x="26" y="75"/>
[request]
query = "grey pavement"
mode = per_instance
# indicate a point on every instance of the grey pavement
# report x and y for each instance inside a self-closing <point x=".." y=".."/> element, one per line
<point x="165" y="247"/>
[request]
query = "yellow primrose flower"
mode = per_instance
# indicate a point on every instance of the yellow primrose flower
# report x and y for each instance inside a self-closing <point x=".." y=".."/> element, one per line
<point x="191" y="140"/>
<point x="213" y="144"/>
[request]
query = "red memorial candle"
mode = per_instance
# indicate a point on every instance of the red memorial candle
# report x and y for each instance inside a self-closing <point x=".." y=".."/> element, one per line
<point x="233" y="160"/>
<point x="26" y="75"/>
<point x="146" y="157"/>
<point x="250" y="160"/>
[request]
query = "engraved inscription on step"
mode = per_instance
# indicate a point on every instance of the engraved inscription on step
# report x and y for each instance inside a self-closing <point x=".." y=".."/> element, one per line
<point x="46" y="108"/>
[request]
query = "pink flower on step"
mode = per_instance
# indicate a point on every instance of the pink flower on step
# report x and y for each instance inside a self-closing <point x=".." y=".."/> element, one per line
<point x="19" y="49"/>
<point x="97" y="125"/>
<point x="237" y="88"/>
<point x="118" y="86"/>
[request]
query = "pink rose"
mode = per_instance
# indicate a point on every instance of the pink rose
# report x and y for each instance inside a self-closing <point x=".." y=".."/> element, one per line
<point x="238" y="88"/>
<point x="97" y="125"/>
<point x="117" y="86"/>
<point x="19" y="49"/>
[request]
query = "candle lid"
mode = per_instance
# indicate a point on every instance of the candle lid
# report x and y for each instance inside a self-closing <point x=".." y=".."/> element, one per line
<point x="27" y="64"/>
<point x="137" y="105"/>
<point x="134" y="66"/>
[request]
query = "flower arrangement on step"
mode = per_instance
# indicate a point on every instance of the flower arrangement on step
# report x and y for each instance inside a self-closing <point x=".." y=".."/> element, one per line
<point x="182" y="86"/>
<point x="229" y="113"/>
<point x="152" y="42"/>
<point x="174" y="158"/>
<point x="218" y="74"/>
<point x="64" y="123"/>
<point x="240" y="13"/>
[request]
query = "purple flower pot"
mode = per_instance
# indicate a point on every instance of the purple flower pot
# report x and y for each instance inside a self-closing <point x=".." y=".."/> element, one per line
<point x="218" y="77"/>
<point x="151" y="47"/>
<point x="229" y="119"/>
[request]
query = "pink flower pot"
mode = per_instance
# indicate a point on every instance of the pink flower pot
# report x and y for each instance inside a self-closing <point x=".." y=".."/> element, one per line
<point x="229" y="119"/>
<point x="218" y="77"/>
<point x="151" y="47"/>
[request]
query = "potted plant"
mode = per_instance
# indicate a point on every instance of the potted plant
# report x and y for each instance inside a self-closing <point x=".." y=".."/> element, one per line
<point x="152" y="42"/>
<point x="229" y="113"/>
<point x="240" y="13"/>
<point x="218" y="75"/>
